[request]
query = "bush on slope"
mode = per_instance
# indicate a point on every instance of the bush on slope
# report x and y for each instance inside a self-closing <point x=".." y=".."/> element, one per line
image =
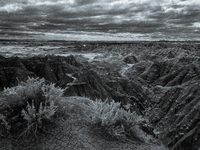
<point x="116" y="121"/>
<point x="29" y="107"/>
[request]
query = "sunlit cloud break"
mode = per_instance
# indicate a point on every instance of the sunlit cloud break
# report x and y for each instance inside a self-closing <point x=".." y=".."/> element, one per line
<point x="11" y="8"/>
<point x="106" y="19"/>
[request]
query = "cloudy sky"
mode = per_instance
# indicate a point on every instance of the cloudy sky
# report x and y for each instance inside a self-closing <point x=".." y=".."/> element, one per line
<point x="101" y="19"/>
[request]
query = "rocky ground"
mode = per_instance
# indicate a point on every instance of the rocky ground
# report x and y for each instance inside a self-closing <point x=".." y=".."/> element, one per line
<point x="160" y="81"/>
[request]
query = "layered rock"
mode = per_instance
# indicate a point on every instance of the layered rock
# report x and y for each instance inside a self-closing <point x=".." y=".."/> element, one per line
<point x="176" y="113"/>
<point x="51" y="68"/>
<point x="177" y="116"/>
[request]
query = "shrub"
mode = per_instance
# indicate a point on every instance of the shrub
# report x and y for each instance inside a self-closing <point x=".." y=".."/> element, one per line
<point x="29" y="107"/>
<point x="116" y="121"/>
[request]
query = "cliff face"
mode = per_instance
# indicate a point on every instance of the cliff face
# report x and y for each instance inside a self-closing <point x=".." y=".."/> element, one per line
<point x="53" y="69"/>
<point x="175" y="113"/>
<point x="177" y="116"/>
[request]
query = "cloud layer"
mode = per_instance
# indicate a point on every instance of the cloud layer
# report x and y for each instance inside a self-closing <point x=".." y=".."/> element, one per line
<point x="142" y="19"/>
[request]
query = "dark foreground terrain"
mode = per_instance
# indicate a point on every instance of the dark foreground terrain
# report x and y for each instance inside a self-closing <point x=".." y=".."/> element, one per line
<point x="160" y="80"/>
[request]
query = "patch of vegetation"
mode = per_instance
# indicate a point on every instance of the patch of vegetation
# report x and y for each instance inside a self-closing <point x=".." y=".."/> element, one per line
<point x="116" y="121"/>
<point x="29" y="107"/>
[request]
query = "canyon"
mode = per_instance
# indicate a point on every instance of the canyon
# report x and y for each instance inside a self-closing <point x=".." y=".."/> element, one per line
<point x="160" y="81"/>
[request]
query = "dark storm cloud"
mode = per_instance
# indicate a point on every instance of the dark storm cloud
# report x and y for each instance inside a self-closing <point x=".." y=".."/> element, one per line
<point x="184" y="16"/>
<point x="84" y="2"/>
<point x="105" y="16"/>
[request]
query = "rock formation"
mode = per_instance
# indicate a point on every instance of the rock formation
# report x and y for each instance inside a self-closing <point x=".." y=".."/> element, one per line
<point x="165" y="86"/>
<point x="175" y="115"/>
<point x="131" y="59"/>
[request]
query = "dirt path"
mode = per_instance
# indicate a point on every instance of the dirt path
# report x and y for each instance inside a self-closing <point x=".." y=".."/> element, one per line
<point x="124" y="69"/>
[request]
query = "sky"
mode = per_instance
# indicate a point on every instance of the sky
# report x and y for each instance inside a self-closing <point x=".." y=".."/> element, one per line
<point x="100" y="19"/>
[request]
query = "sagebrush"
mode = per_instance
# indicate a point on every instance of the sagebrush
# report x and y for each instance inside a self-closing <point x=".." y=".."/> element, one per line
<point x="29" y="107"/>
<point x="116" y="121"/>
